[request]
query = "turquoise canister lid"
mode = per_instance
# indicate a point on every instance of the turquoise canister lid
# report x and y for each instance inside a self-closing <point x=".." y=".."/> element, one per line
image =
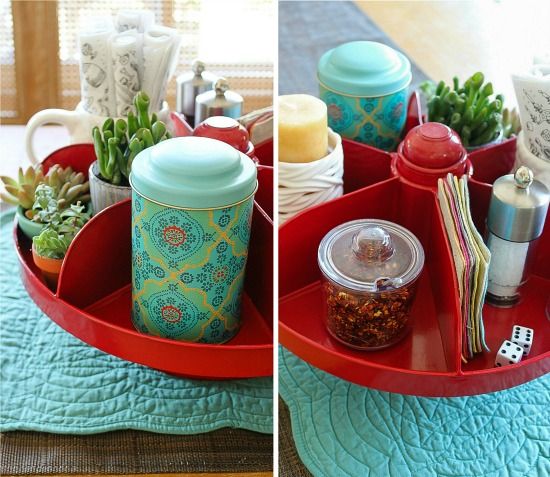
<point x="194" y="173"/>
<point x="364" y="68"/>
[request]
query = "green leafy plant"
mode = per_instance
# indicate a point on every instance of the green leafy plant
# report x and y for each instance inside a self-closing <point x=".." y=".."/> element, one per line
<point x="119" y="142"/>
<point x="63" y="225"/>
<point x="69" y="187"/>
<point x="469" y="109"/>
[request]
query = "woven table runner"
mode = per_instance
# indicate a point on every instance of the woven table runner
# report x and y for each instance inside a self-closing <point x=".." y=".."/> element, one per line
<point x="52" y="382"/>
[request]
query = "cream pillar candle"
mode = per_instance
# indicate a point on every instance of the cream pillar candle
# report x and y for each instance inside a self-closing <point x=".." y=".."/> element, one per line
<point x="303" y="129"/>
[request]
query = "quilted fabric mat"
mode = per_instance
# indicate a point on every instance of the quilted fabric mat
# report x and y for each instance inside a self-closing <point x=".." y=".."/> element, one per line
<point x="342" y="429"/>
<point x="52" y="382"/>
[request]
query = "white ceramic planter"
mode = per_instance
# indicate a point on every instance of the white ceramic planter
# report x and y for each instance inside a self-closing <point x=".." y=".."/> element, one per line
<point x="103" y="193"/>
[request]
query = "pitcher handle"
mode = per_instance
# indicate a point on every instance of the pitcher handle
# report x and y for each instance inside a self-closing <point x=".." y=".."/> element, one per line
<point x="47" y="116"/>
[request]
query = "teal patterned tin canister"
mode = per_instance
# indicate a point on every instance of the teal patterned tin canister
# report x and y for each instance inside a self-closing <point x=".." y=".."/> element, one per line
<point x="365" y="86"/>
<point x="192" y="202"/>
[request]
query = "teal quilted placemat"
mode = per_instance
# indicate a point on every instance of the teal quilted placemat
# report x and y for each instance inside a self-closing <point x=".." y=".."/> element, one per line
<point x="52" y="382"/>
<point x="342" y="429"/>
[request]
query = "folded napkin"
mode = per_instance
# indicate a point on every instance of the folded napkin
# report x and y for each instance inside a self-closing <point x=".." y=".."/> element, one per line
<point x="52" y="382"/>
<point x="138" y="20"/>
<point x="118" y="60"/>
<point x="126" y="52"/>
<point x="160" y="53"/>
<point x="97" y="85"/>
<point x="471" y="257"/>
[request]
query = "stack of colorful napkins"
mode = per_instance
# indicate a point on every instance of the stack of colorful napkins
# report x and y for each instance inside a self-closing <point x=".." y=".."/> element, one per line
<point x="471" y="258"/>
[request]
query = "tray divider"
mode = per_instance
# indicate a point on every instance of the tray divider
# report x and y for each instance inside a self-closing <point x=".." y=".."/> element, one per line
<point x="99" y="259"/>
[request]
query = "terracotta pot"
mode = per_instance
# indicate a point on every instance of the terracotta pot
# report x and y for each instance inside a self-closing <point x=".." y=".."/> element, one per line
<point x="104" y="193"/>
<point x="50" y="267"/>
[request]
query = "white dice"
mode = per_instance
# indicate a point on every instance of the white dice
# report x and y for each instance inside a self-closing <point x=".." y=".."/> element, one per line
<point x="523" y="337"/>
<point x="509" y="353"/>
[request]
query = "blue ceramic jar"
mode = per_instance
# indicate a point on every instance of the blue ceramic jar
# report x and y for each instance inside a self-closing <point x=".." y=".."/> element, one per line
<point x="365" y="85"/>
<point x="192" y="203"/>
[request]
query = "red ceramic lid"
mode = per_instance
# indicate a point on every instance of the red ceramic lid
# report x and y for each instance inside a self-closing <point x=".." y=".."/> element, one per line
<point x="224" y="129"/>
<point x="434" y="146"/>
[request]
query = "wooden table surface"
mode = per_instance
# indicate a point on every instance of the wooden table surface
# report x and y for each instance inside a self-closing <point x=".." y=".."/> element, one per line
<point x="458" y="38"/>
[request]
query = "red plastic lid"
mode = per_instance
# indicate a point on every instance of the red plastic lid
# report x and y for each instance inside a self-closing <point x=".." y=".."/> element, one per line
<point x="430" y="151"/>
<point x="224" y="129"/>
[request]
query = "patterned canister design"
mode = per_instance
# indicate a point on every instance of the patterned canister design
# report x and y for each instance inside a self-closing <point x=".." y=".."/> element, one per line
<point x="365" y="86"/>
<point x="188" y="263"/>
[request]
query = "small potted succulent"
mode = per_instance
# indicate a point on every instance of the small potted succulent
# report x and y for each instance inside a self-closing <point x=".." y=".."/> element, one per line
<point x="469" y="109"/>
<point x="116" y="145"/>
<point x="68" y="187"/>
<point x="50" y="246"/>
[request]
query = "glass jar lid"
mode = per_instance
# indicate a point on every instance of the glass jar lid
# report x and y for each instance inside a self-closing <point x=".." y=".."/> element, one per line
<point x="371" y="255"/>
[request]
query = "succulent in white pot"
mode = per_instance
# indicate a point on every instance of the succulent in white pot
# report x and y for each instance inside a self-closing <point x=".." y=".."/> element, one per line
<point x="116" y="145"/>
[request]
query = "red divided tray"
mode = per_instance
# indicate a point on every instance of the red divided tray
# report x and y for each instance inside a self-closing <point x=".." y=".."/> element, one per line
<point x="93" y="297"/>
<point x="427" y="362"/>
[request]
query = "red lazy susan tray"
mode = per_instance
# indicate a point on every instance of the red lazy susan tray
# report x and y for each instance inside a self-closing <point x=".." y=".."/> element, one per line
<point x="427" y="362"/>
<point x="93" y="297"/>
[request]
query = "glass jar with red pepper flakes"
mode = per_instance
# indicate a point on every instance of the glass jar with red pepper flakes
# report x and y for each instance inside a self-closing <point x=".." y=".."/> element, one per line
<point x="370" y="269"/>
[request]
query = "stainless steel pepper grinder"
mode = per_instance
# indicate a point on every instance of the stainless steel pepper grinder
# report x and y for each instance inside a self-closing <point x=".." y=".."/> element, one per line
<point x="517" y="213"/>
<point x="218" y="102"/>
<point x="189" y="85"/>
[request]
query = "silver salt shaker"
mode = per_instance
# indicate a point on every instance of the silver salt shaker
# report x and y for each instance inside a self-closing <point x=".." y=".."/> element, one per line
<point x="218" y="102"/>
<point x="189" y="85"/>
<point x="517" y="213"/>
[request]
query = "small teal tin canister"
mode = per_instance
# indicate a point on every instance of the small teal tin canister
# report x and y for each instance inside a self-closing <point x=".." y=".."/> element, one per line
<point x="192" y="201"/>
<point x="365" y="85"/>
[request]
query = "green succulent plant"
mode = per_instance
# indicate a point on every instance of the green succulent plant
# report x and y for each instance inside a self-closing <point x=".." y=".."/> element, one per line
<point x="20" y="191"/>
<point x="68" y="186"/>
<point x="511" y="125"/>
<point x="51" y="244"/>
<point x="119" y="142"/>
<point x="62" y="225"/>
<point x="469" y="109"/>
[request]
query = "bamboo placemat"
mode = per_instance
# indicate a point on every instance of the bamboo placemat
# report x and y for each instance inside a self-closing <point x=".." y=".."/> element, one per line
<point x="135" y="452"/>
<point x="290" y="464"/>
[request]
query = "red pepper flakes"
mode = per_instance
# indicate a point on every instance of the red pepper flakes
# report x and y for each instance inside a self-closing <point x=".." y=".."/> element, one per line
<point x="368" y="320"/>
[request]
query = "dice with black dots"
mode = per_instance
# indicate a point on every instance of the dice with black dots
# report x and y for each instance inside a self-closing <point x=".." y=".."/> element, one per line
<point x="509" y="353"/>
<point x="523" y="337"/>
